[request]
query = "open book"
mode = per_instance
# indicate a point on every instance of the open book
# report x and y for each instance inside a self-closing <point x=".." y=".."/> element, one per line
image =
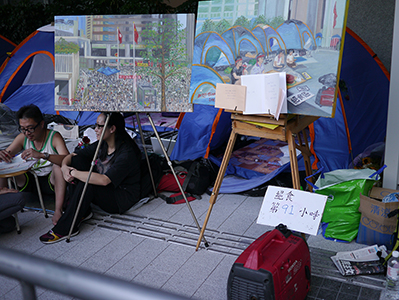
<point x="362" y="261"/>
<point x="266" y="93"/>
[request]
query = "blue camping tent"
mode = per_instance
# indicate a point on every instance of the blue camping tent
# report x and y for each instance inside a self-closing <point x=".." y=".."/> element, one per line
<point x="241" y="39"/>
<point x="363" y="106"/>
<point x="205" y="129"/>
<point x="296" y="35"/>
<point x="269" y="37"/>
<point x="27" y="77"/>
<point x="6" y="47"/>
<point x="365" y="103"/>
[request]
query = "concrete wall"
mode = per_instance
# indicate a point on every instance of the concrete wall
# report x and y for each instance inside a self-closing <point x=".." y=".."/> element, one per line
<point x="373" y="22"/>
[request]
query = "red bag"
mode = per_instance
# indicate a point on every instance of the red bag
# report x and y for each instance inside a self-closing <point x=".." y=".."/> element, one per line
<point x="169" y="184"/>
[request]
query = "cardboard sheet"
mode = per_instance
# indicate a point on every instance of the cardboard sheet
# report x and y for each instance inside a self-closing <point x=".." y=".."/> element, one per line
<point x="230" y="96"/>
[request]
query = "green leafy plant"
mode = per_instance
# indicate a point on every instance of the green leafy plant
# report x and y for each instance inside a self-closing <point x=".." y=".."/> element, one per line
<point x="208" y="25"/>
<point x="242" y="21"/>
<point x="64" y="47"/>
<point x="222" y="26"/>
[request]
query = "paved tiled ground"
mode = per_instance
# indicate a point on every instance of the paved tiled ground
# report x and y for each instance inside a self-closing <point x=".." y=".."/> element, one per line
<point x="330" y="289"/>
<point x="154" y="245"/>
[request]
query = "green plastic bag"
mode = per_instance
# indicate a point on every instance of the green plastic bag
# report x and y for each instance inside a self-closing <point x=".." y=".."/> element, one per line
<point x="343" y="188"/>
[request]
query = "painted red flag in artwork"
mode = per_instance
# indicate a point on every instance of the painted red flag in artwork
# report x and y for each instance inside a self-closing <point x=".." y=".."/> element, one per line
<point x="120" y="36"/>
<point x="136" y="34"/>
<point x="335" y="14"/>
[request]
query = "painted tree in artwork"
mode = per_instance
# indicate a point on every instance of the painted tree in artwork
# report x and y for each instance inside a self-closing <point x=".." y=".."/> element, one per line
<point x="208" y="25"/>
<point x="222" y="26"/>
<point x="166" y="51"/>
<point x="242" y="21"/>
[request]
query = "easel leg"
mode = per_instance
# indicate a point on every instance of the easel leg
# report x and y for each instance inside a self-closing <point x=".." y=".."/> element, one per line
<point x="294" y="161"/>
<point x="218" y="182"/>
<point x="146" y="155"/>
<point x="174" y="173"/>
<point x="88" y="178"/>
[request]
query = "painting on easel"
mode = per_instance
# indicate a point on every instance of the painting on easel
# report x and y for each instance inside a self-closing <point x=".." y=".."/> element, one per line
<point x="302" y="38"/>
<point x="139" y="63"/>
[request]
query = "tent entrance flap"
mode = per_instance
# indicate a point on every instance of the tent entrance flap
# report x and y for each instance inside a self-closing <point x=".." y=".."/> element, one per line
<point x="41" y="70"/>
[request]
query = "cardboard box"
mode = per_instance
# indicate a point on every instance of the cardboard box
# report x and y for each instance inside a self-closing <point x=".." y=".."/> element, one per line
<point x="375" y="227"/>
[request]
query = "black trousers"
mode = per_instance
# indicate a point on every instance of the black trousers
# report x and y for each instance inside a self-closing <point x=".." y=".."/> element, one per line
<point x="104" y="196"/>
<point x="10" y="203"/>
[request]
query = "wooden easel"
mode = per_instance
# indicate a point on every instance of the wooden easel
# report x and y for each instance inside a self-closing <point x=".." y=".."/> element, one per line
<point x="289" y="128"/>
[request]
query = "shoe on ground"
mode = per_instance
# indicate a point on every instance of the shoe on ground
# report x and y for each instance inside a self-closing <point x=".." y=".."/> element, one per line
<point x="52" y="237"/>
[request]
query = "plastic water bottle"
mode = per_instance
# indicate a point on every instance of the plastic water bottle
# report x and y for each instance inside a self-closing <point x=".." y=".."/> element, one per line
<point x="392" y="280"/>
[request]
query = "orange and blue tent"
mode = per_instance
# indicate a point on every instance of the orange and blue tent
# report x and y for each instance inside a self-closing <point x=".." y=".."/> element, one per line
<point x="6" y="47"/>
<point x="27" y="76"/>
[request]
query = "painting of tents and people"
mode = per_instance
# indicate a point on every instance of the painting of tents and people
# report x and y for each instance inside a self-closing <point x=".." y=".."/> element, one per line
<point x="139" y="63"/>
<point x="304" y="39"/>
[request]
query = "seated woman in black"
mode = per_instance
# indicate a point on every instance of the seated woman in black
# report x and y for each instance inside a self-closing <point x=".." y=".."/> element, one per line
<point x="114" y="184"/>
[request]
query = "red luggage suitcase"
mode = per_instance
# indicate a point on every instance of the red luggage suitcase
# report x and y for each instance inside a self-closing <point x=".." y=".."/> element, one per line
<point x="274" y="267"/>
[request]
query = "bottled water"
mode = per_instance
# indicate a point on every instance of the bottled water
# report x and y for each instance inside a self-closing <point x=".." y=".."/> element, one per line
<point x="392" y="279"/>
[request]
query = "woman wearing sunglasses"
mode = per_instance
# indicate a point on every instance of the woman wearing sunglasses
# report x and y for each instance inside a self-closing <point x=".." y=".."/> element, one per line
<point x="114" y="184"/>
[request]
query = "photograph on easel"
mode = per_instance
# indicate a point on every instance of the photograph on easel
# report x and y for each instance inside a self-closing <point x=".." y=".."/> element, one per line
<point x="304" y="39"/>
<point x="138" y="63"/>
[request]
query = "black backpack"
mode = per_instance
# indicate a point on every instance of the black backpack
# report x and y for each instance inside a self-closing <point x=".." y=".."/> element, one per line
<point x="195" y="176"/>
<point x="157" y="165"/>
<point x="198" y="176"/>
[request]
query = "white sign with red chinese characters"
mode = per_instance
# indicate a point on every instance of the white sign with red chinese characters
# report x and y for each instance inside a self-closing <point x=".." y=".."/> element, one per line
<point x="299" y="210"/>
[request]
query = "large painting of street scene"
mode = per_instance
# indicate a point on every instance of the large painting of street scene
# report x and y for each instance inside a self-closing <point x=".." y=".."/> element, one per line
<point x="235" y="38"/>
<point x="137" y="63"/>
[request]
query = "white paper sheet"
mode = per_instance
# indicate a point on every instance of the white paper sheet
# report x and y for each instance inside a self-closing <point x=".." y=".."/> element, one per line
<point x="283" y="86"/>
<point x="17" y="164"/>
<point x="299" y="210"/>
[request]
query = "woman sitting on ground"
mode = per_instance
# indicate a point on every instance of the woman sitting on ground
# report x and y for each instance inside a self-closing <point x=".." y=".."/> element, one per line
<point x="114" y="184"/>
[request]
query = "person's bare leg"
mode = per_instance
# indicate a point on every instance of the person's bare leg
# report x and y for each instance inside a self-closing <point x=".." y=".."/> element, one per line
<point x="59" y="184"/>
<point x="20" y="180"/>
